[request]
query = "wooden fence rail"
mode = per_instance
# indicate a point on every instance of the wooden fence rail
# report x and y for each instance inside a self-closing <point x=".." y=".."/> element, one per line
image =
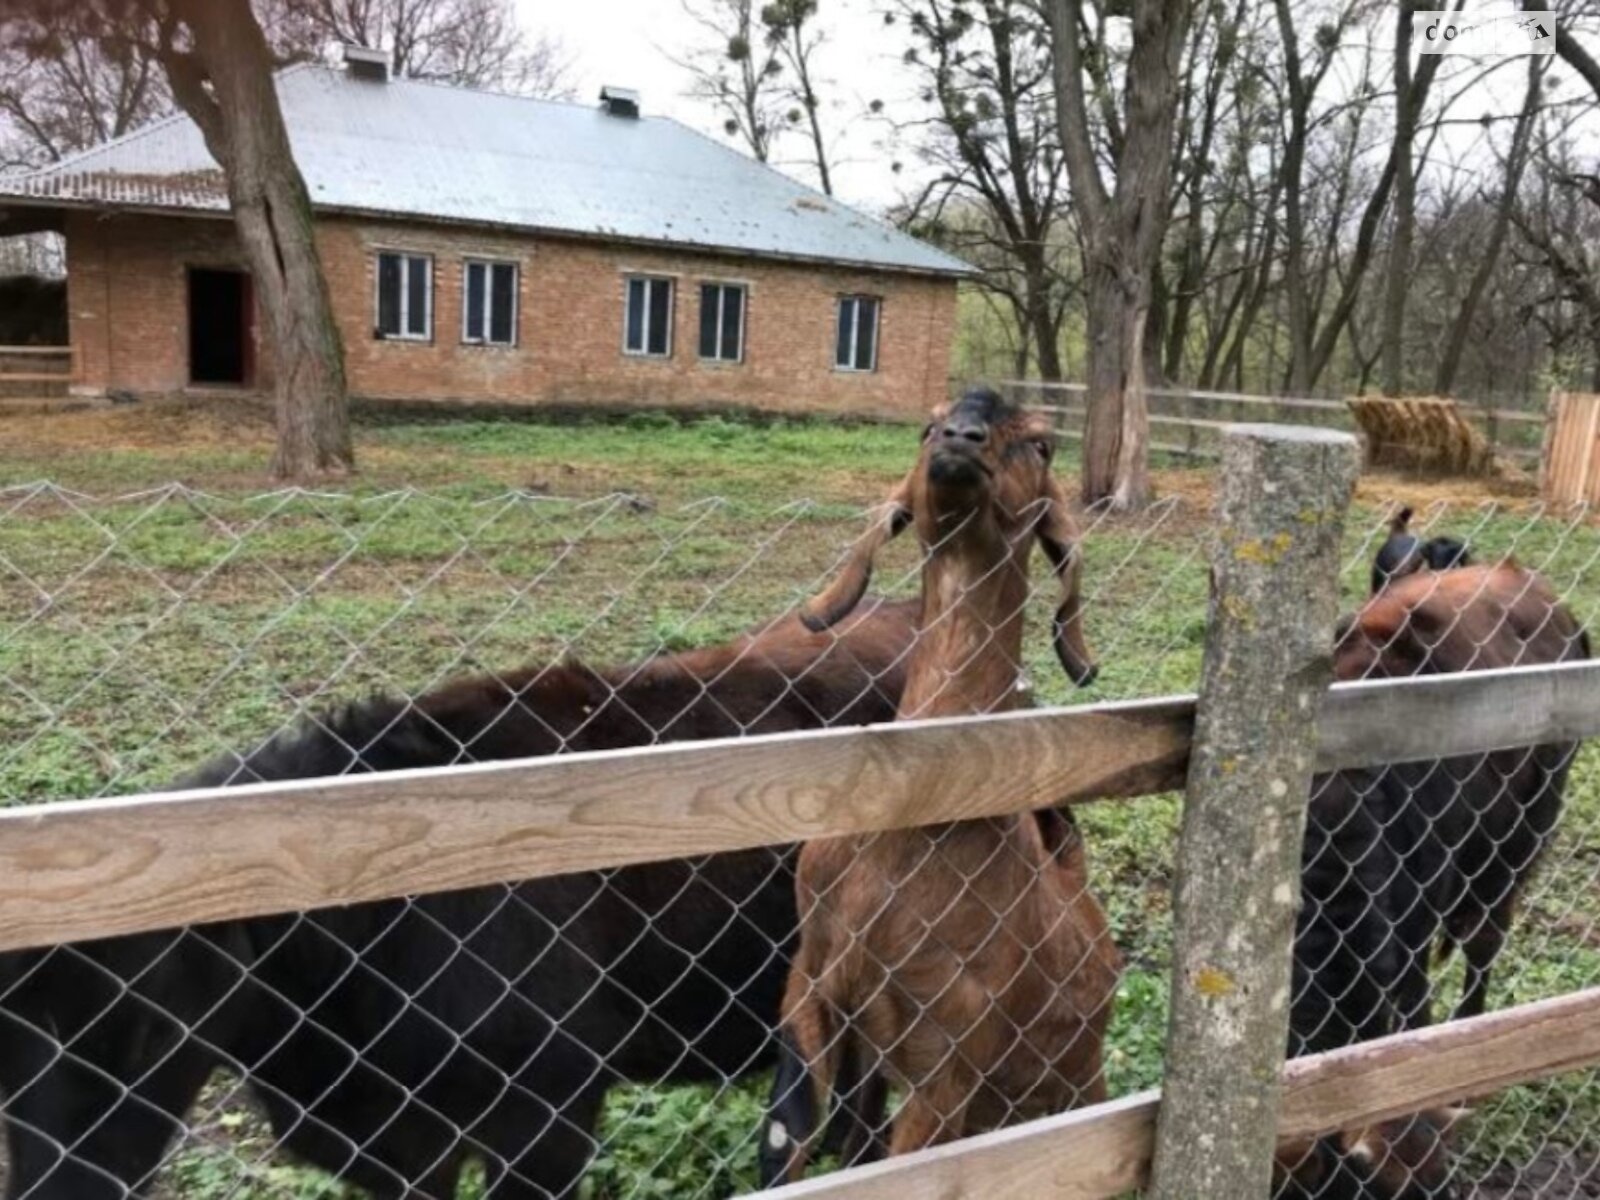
<point x="1201" y="414"/>
<point x="1104" y="1151"/>
<point x="33" y="360"/>
<point x="123" y="865"/>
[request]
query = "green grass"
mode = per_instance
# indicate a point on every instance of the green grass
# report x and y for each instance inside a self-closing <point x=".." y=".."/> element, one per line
<point x="139" y="636"/>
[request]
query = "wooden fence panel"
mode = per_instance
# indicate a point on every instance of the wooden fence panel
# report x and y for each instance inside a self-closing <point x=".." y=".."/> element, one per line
<point x="1198" y="412"/>
<point x="1570" y="473"/>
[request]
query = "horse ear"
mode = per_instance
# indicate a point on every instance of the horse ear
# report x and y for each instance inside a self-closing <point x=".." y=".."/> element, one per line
<point x="839" y="598"/>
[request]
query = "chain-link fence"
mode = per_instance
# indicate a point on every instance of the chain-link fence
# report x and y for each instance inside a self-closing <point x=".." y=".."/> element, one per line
<point x="613" y="1033"/>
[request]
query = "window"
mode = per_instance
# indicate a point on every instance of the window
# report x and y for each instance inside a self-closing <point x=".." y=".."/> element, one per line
<point x="857" y="346"/>
<point x="405" y="296"/>
<point x="489" y="303"/>
<point x="722" y="322"/>
<point x="647" y="327"/>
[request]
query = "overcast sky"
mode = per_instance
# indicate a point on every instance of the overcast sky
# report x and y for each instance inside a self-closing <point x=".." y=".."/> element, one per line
<point x="633" y="43"/>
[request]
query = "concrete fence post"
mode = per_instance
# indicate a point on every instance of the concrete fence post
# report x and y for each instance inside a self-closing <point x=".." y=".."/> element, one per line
<point x="1284" y="492"/>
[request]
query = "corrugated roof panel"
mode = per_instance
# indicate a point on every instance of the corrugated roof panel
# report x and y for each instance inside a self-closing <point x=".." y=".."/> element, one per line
<point x="426" y="150"/>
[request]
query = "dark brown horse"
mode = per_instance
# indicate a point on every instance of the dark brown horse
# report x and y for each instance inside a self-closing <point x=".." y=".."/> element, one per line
<point x="391" y="1041"/>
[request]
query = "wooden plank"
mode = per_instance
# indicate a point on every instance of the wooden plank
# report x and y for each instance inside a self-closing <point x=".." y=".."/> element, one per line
<point x="1516" y="416"/>
<point x="1458" y="1060"/>
<point x="53" y="350"/>
<point x="1437" y="716"/>
<point x="35" y="377"/>
<point x="1103" y="1151"/>
<point x="75" y="871"/>
<point x="1083" y="1155"/>
<point x="93" y="868"/>
<point x="1304" y="402"/>
<point x="1581" y="492"/>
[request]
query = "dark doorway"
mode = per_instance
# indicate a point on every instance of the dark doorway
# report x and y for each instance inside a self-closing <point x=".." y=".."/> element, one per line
<point x="220" y="342"/>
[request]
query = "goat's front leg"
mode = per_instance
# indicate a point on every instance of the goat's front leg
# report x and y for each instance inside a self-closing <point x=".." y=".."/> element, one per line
<point x="934" y="1112"/>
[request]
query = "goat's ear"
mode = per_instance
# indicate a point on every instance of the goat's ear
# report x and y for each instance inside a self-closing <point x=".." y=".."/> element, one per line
<point x="1058" y="535"/>
<point x="836" y="601"/>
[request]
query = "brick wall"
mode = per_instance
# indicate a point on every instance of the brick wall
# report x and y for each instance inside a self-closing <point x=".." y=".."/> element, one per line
<point x="126" y="295"/>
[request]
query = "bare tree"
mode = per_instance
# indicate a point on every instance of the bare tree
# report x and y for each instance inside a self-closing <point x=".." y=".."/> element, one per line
<point x="736" y="71"/>
<point x="60" y="94"/>
<point x="793" y="34"/>
<point x="1120" y="229"/>
<point x="1207" y="193"/>
<point x="997" y="194"/>
<point x="1304" y="71"/>
<point x="220" y="69"/>
<point x="1560" y="223"/>
<point x="1488" y="257"/>
<point x="469" y="43"/>
<point x="1397" y="279"/>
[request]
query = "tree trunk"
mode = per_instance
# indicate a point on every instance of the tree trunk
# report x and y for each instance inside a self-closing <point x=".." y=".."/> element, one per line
<point x="1294" y="258"/>
<point x="1398" y="283"/>
<point x="1155" y="329"/>
<point x="1116" y="438"/>
<point x="244" y="130"/>
<point x="1456" y="342"/>
<point x="1044" y="323"/>
<point x="1121" y="235"/>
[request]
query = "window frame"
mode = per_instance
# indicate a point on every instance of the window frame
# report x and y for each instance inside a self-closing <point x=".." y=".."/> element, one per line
<point x="856" y="298"/>
<point x="489" y="264"/>
<point x="404" y="307"/>
<point x="724" y="286"/>
<point x="671" y="284"/>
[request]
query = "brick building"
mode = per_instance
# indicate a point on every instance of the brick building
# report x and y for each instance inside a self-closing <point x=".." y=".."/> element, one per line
<point x="482" y="247"/>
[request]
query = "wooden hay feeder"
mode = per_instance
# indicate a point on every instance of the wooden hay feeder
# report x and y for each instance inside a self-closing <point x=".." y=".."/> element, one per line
<point x="1421" y="433"/>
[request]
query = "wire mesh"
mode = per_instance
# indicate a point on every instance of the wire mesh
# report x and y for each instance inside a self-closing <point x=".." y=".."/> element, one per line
<point x="611" y="1034"/>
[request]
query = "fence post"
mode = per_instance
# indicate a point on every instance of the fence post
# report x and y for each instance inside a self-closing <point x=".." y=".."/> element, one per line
<point x="1284" y="493"/>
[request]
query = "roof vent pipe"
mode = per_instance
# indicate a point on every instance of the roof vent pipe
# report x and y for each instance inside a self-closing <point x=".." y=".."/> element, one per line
<point x="363" y="62"/>
<point x="620" y="101"/>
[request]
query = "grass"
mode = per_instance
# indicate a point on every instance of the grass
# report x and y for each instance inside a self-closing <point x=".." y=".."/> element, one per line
<point x="140" y="635"/>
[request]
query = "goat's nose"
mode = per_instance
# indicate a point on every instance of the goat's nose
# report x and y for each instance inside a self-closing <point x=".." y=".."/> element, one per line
<point x="966" y="431"/>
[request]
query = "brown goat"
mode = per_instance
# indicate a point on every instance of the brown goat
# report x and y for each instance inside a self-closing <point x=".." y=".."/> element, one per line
<point x="1489" y="816"/>
<point x="1400" y="859"/>
<point x="967" y="962"/>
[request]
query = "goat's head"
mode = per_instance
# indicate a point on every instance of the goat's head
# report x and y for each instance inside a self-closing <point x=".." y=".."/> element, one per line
<point x="1403" y="553"/>
<point x="1407" y="1158"/>
<point x="980" y="491"/>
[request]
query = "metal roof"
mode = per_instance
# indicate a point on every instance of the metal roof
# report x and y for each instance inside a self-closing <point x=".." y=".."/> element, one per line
<point x="427" y="151"/>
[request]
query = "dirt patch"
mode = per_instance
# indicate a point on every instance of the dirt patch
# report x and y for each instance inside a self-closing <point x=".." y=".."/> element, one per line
<point x="167" y="424"/>
<point x="1197" y="488"/>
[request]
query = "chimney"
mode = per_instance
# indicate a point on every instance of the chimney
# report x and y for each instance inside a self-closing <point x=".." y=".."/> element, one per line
<point x="363" y="62"/>
<point x="620" y="101"/>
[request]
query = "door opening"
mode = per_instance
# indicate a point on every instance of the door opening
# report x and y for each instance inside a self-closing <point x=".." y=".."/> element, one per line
<point x="221" y="345"/>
